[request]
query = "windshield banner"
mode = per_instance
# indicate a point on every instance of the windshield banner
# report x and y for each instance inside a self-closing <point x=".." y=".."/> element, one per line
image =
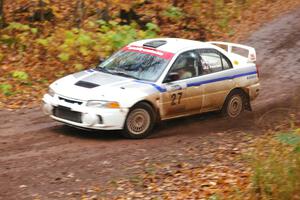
<point x="154" y="52"/>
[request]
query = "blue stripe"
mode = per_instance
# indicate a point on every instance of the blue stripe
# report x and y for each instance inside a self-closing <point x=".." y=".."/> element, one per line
<point x="161" y="89"/>
<point x="220" y="79"/>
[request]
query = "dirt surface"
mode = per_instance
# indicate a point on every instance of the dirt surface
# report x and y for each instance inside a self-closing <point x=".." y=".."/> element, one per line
<point x="42" y="158"/>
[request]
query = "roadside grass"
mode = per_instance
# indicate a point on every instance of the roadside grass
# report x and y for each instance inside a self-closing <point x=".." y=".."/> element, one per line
<point x="276" y="167"/>
<point x="269" y="169"/>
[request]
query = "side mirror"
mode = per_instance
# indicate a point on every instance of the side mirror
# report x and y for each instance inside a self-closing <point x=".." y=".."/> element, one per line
<point x="173" y="76"/>
<point x="101" y="60"/>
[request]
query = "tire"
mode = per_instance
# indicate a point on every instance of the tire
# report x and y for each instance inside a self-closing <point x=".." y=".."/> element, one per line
<point x="234" y="104"/>
<point x="139" y="122"/>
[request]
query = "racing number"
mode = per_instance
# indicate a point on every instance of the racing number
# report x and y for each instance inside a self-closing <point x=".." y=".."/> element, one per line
<point x="175" y="98"/>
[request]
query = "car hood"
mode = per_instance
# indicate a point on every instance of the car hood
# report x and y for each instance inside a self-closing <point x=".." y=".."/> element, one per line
<point x="95" y="85"/>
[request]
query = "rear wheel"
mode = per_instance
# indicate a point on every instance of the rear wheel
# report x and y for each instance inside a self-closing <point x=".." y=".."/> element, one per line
<point x="139" y="122"/>
<point x="234" y="104"/>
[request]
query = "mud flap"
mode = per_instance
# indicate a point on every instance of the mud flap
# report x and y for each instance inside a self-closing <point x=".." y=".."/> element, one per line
<point x="248" y="104"/>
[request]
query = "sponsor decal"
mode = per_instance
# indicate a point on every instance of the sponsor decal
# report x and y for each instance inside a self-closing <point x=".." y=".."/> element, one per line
<point x="175" y="87"/>
<point x="154" y="52"/>
<point x="252" y="76"/>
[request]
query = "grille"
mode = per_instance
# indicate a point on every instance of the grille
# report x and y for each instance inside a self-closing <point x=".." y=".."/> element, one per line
<point x="66" y="113"/>
<point x="69" y="100"/>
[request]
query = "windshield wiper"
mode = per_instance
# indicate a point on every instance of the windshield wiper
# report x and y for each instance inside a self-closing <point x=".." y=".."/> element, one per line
<point x="115" y="72"/>
<point x="120" y="73"/>
<point x="102" y="69"/>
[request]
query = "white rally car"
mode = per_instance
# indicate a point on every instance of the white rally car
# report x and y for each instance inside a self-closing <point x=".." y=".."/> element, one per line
<point x="156" y="79"/>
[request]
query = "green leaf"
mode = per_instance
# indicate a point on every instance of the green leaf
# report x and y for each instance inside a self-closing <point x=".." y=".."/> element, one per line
<point x="214" y="197"/>
<point x="101" y="22"/>
<point x="6" y="89"/>
<point x="20" y="75"/>
<point x="223" y="23"/>
<point x="104" y="28"/>
<point x="8" y="40"/>
<point x="78" y="67"/>
<point x="91" y="24"/>
<point x="113" y="23"/>
<point x="64" y="57"/>
<point x="69" y="42"/>
<point x="18" y="26"/>
<point x="152" y="26"/>
<point x="75" y="30"/>
<point x="289" y="138"/>
<point x="174" y="13"/>
<point x="43" y="42"/>
<point x="70" y="35"/>
<point x="97" y="47"/>
<point x="64" y="47"/>
<point x="297" y="149"/>
<point x="84" y="39"/>
<point x="34" y="30"/>
<point x="84" y="51"/>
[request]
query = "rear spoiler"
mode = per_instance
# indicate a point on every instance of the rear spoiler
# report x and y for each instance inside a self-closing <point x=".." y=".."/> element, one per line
<point x="251" y="50"/>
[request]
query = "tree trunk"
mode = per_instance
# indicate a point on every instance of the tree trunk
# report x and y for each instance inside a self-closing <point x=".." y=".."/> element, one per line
<point x="42" y="10"/>
<point x="79" y="12"/>
<point x="175" y="3"/>
<point x="103" y="13"/>
<point x="2" y="18"/>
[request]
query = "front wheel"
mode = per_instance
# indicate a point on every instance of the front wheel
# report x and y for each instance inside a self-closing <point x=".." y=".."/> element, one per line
<point x="139" y="122"/>
<point x="234" y="104"/>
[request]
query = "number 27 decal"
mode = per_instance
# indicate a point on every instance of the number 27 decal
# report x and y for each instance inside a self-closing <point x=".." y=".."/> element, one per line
<point x="175" y="98"/>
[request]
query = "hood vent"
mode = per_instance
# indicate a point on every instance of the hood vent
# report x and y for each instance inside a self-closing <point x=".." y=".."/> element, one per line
<point x="86" y="84"/>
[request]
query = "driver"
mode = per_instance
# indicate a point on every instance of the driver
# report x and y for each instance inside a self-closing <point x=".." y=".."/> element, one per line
<point x="183" y="73"/>
<point x="182" y="70"/>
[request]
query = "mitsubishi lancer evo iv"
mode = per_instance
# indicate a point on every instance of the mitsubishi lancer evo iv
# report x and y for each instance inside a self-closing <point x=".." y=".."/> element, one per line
<point x="156" y="79"/>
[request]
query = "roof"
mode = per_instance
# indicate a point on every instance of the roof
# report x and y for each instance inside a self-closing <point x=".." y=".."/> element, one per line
<point x="174" y="45"/>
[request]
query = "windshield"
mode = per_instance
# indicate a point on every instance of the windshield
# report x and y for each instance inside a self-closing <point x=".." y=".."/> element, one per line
<point x="135" y="64"/>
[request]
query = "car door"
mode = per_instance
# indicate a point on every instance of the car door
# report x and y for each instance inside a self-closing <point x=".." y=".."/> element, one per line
<point x="181" y="96"/>
<point x="216" y="79"/>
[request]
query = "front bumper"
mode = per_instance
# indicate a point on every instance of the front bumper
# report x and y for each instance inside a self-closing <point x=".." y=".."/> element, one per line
<point x="80" y="115"/>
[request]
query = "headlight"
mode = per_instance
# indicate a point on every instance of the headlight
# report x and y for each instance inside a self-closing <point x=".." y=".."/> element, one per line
<point x="103" y="104"/>
<point x="51" y="92"/>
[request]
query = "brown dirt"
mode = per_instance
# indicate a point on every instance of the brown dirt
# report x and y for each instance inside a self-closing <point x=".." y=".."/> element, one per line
<point x="39" y="157"/>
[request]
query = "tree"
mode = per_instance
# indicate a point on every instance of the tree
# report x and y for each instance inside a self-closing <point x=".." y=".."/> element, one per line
<point x="103" y="9"/>
<point x="79" y="12"/>
<point x="2" y="18"/>
<point x="42" y="9"/>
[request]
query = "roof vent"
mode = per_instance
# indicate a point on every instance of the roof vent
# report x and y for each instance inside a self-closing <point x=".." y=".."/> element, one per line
<point x="155" y="43"/>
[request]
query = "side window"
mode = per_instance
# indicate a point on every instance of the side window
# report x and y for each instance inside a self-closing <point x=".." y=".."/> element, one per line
<point x="185" y="66"/>
<point x="226" y="63"/>
<point x="213" y="61"/>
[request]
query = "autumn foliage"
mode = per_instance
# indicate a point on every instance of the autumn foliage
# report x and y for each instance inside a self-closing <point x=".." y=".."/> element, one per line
<point x="42" y="40"/>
